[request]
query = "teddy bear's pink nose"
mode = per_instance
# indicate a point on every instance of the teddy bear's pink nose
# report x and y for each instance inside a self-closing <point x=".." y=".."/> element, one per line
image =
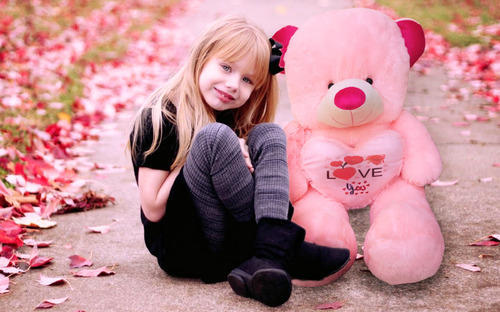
<point x="349" y="98"/>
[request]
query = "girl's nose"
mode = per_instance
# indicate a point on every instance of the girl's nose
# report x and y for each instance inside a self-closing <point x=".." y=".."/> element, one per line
<point x="233" y="81"/>
<point x="349" y="98"/>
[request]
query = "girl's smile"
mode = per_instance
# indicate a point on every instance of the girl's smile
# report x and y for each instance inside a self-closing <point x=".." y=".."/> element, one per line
<point x="226" y="85"/>
<point x="223" y="96"/>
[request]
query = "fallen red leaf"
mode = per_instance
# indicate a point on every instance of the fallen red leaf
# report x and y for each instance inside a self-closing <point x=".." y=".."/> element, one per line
<point x="330" y="306"/>
<point x="78" y="262"/>
<point x="11" y="228"/>
<point x="87" y="201"/>
<point x="11" y="240"/>
<point x="48" y="210"/>
<point x="51" y="281"/>
<point x="39" y="244"/>
<point x="490" y="240"/>
<point x="102" y="271"/>
<point x="49" y="303"/>
<point x="38" y="261"/>
<point x="485" y="243"/>
<point x="5" y="213"/>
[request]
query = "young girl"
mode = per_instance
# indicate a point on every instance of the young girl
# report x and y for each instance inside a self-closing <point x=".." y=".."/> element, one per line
<point x="212" y="172"/>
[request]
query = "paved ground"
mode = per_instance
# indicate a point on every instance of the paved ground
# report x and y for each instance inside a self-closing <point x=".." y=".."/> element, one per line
<point x="465" y="211"/>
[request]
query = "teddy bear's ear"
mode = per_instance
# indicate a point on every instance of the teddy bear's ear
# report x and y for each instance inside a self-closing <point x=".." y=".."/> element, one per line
<point x="413" y="35"/>
<point x="283" y="36"/>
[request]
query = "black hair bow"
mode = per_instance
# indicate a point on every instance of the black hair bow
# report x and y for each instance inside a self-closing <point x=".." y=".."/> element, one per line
<point x="274" y="62"/>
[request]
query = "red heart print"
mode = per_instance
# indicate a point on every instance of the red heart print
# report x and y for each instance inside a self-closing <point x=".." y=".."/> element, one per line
<point x="336" y="163"/>
<point x="352" y="160"/>
<point x="375" y="159"/>
<point x="345" y="173"/>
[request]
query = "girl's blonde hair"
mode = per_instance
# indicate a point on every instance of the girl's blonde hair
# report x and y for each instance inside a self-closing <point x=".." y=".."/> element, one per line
<point x="230" y="38"/>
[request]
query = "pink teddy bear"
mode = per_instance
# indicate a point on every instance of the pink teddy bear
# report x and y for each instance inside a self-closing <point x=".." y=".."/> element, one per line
<point x="352" y="145"/>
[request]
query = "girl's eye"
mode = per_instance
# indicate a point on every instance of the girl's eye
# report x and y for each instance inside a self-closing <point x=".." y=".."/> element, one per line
<point x="247" y="80"/>
<point x="369" y="80"/>
<point x="330" y="85"/>
<point x="226" y="67"/>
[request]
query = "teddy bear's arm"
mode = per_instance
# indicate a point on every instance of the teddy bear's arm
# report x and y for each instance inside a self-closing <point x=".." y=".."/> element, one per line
<point x="295" y="140"/>
<point x="422" y="163"/>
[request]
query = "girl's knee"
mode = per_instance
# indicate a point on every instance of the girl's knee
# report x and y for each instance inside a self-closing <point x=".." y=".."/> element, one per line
<point x="213" y="133"/>
<point x="266" y="132"/>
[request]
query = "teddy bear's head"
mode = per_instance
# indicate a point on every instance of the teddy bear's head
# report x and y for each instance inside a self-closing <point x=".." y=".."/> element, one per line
<point x="347" y="68"/>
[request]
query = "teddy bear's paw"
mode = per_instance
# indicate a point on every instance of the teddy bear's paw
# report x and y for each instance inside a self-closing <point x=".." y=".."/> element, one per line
<point x="404" y="244"/>
<point x="421" y="174"/>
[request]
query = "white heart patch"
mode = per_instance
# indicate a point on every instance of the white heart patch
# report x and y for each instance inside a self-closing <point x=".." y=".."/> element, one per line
<point x="352" y="176"/>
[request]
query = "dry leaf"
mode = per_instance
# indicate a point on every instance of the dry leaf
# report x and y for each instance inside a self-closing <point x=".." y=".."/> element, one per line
<point x="87" y="201"/>
<point x="330" y="306"/>
<point x="39" y="244"/>
<point x="78" y="262"/>
<point x="102" y="271"/>
<point x="444" y="183"/>
<point x="12" y="270"/>
<point x="52" y="207"/>
<point x="482" y="256"/>
<point x="49" y="303"/>
<point x="103" y="229"/>
<point x="4" y="284"/>
<point x="35" y="221"/>
<point x="487" y="179"/>
<point x="51" y="281"/>
<point x="469" y="267"/>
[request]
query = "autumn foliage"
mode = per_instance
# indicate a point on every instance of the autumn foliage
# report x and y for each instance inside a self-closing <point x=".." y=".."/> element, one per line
<point x="65" y="67"/>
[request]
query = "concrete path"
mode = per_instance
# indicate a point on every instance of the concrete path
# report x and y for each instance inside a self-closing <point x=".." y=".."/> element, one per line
<point x="466" y="211"/>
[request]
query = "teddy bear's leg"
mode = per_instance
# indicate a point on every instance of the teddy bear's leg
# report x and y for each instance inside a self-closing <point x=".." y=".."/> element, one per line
<point x="404" y="243"/>
<point x="326" y="223"/>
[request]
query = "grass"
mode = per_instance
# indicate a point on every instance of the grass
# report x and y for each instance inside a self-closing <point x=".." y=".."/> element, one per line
<point x="438" y="15"/>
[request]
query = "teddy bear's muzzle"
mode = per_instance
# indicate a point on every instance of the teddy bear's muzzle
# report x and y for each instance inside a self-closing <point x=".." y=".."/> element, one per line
<point x="349" y="103"/>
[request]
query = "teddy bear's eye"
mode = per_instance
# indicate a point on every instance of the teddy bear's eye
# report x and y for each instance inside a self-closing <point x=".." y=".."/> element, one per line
<point x="369" y="80"/>
<point x="330" y="85"/>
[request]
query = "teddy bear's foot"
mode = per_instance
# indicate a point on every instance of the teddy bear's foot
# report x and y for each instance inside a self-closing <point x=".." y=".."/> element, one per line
<point x="404" y="243"/>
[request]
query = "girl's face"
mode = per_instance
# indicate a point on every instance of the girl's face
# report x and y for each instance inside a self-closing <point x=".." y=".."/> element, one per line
<point x="226" y="85"/>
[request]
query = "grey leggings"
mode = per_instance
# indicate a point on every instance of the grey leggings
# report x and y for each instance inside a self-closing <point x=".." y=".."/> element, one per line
<point x="222" y="186"/>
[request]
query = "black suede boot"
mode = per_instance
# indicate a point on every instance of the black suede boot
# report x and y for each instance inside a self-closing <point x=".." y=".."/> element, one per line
<point x="264" y="276"/>
<point x="315" y="262"/>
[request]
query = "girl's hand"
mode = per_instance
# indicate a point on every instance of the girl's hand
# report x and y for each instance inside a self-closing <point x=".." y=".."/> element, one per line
<point x="244" y="150"/>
